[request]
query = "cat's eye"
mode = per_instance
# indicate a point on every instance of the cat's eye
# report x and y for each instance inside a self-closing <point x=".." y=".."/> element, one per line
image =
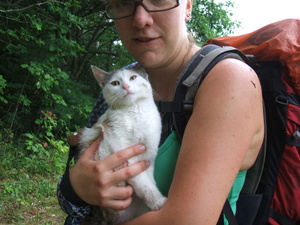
<point x="115" y="83"/>
<point x="133" y="77"/>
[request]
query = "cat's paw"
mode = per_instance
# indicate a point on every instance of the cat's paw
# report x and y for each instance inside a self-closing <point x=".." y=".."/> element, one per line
<point x="158" y="204"/>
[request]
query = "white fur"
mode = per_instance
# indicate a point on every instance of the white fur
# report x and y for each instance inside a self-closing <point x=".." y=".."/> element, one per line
<point x="132" y="118"/>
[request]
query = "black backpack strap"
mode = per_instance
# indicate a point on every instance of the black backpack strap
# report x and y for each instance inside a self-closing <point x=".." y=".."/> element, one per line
<point x="194" y="74"/>
<point x="190" y="81"/>
<point x="228" y="213"/>
<point x="178" y="105"/>
<point x="65" y="185"/>
<point x="281" y="219"/>
<point x="193" y="81"/>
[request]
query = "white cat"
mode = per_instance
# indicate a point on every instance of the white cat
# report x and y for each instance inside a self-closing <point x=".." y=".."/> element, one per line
<point x="132" y="118"/>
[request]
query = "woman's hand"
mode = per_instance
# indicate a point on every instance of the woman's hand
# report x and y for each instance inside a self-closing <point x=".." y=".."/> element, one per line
<point x="95" y="181"/>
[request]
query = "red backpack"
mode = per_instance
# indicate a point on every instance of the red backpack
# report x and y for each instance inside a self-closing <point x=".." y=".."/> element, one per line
<point x="271" y="194"/>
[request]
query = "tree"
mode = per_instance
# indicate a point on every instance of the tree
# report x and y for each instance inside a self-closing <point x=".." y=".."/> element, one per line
<point x="210" y="20"/>
<point x="46" y="49"/>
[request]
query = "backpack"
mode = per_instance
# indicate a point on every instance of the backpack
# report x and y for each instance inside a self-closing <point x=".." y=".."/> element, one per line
<point x="271" y="193"/>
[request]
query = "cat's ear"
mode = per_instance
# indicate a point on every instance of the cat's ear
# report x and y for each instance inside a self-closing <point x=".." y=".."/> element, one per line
<point x="100" y="75"/>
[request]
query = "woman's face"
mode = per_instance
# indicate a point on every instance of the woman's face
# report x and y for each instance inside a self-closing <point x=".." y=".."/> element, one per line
<point x="156" y="39"/>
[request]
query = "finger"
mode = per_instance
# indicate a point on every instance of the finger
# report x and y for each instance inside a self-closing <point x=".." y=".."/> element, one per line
<point x="89" y="153"/>
<point x="122" y="193"/>
<point x="130" y="171"/>
<point x="122" y="156"/>
<point x="116" y="198"/>
<point x="119" y="204"/>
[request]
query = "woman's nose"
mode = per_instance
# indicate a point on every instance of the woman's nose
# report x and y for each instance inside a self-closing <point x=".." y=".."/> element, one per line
<point x="141" y="17"/>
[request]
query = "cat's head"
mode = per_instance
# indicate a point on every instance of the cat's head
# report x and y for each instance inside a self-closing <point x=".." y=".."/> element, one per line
<point x="123" y="87"/>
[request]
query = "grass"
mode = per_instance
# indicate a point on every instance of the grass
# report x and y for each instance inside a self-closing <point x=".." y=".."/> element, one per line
<point x="28" y="185"/>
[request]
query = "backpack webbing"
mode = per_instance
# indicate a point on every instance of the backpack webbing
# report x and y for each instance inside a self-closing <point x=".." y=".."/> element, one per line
<point x="182" y="107"/>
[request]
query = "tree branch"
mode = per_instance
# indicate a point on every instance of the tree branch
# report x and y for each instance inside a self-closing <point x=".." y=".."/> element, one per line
<point x="30" y="6"/>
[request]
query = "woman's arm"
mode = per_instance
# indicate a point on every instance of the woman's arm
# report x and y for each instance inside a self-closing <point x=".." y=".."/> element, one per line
<point x="223" y="136"/>
<point x="94" y="182"/>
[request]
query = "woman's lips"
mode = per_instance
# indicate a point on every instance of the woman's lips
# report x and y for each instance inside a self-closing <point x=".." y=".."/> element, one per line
<point x="144" y="40"/>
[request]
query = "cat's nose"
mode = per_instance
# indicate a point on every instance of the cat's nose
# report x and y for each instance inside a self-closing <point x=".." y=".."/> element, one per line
<point x="126" y="87"/>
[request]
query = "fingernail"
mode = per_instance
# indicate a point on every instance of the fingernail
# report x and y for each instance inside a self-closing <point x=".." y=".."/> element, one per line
<point x="142" y="148"/>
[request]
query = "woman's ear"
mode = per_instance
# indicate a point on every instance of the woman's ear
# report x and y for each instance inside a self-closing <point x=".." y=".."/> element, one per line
<point x="188" y="11"/>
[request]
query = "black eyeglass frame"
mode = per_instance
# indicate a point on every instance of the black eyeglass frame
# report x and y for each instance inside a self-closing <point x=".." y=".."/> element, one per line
<point x="136" y="4"/>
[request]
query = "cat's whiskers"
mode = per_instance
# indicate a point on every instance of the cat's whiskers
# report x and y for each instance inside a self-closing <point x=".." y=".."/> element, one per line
<point x="111" y="100"/>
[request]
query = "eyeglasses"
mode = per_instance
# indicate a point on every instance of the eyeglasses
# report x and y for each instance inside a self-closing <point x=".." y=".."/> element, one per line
<point x="118" y="9"/>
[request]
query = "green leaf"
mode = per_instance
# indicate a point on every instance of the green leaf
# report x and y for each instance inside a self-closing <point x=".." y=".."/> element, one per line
<point x="38" y="26"/>
<point x="39" y="121"/>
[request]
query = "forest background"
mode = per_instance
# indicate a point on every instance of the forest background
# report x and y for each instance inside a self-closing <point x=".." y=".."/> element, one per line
<point x="47" y="90"/>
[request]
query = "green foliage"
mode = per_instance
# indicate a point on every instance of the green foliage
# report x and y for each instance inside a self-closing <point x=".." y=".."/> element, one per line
<point x="2" y="87"/>
<point x="29" y="172"/>
<point x="210" y="19"/>
<point x="39" y="44"/>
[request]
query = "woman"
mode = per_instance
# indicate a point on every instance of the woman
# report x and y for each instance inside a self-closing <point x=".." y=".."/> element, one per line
<point x="222" y="137"/>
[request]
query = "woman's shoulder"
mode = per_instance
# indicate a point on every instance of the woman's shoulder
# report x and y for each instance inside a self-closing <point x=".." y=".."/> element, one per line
<point x="232" y="76"/>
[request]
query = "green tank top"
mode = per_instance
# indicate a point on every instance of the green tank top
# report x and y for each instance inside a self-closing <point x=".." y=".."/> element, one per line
<point x="165" y="163"/>
<point x="165" y="166"/>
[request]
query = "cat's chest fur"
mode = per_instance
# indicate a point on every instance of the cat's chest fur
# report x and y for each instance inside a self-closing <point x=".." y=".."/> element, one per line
<point x="128" y="126"/>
